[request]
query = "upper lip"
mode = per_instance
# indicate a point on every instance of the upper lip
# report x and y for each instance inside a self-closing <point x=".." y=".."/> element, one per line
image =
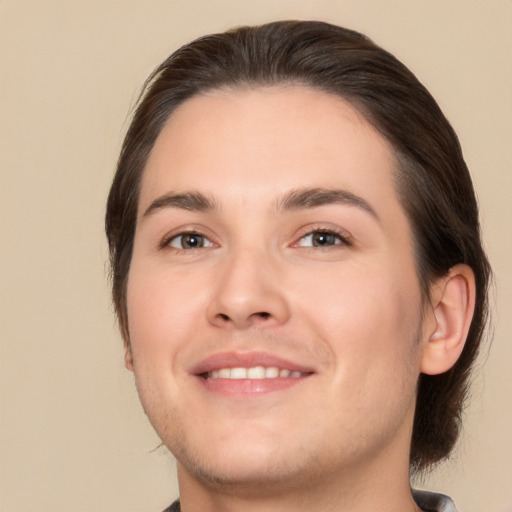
<point x="246" y="360"/>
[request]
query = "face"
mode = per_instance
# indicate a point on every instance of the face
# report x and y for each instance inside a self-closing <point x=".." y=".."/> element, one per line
<point x="273" y="303"/>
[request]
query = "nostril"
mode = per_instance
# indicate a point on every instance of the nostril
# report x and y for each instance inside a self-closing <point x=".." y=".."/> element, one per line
<point x="224" y="320"/>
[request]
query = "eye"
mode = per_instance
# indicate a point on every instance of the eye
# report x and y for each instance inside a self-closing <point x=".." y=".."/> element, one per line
<point x="189" y="241"/>
<point x="322" y="239"/>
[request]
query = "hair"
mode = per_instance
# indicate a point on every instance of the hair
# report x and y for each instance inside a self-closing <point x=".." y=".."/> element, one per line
<point x="432" y="179"/>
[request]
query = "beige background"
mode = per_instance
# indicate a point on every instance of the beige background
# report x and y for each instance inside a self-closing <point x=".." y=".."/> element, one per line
<point x="72" y="435"/>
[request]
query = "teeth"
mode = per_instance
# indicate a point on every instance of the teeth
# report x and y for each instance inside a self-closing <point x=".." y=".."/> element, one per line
<point x="258" y="372"/>
<point x="272" y="372"/>
<point x="255" y="372"/>
<point x="238" y="373"/>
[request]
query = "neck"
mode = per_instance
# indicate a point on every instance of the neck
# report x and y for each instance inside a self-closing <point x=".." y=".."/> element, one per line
<point x="368" y="489"/>
<point x="375" y="482"/>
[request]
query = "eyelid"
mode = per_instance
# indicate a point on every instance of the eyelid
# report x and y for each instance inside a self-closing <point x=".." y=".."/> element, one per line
<point x="344" y="236"/>
<point x="206" y="242"/>
<point x="182" y="231"/>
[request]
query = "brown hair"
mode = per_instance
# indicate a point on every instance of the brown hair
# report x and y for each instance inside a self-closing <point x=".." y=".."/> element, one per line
<point x="432" y="178"/>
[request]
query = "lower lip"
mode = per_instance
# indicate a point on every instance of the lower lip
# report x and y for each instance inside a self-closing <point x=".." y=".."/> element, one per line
<point x="246" y="388"/>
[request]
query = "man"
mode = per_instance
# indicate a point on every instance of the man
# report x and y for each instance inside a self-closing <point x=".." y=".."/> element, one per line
<point x="297" y="271"/>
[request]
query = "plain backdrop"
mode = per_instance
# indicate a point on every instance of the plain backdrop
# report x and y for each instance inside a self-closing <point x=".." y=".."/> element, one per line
<point x="72" y="434"/>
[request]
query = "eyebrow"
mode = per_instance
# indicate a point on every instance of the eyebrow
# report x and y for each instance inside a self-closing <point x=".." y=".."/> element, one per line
<point x="298" y="199"/>
<point x="193" y="201"/>
<point x="313" y="197"/>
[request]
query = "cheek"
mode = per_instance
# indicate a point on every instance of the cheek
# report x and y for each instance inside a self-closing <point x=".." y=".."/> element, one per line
<point x="163" y="316"/>
<point x="368" y="318"/>
<point x="162" y="312"/>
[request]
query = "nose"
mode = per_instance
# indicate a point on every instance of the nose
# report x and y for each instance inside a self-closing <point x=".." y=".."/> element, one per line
<point x="248" y="292"/>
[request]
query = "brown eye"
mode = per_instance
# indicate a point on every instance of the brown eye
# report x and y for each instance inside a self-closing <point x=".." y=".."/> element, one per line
<point x="322" y="239"/>
<point x="190" y="241"/>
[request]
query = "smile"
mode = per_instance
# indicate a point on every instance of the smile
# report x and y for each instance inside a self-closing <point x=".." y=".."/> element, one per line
<point x="248" y="375"/>
<point x="254" y="372"/>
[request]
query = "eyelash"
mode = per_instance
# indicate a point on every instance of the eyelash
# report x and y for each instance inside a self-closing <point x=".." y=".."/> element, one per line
<point x="166" y="242"/>
<point x="342" y="239"/>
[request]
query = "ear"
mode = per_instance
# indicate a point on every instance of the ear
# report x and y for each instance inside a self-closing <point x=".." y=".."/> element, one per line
<point x="128" y="358"/>
<point x="453" y="304"/>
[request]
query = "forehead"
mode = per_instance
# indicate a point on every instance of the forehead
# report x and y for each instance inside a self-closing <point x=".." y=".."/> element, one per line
<point x="258" y="143"/>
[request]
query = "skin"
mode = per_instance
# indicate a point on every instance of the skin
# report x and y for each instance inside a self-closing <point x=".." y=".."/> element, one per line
<point x="349" y="311"/>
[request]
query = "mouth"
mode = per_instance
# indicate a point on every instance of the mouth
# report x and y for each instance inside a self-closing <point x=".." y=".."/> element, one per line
<point x="254" y="372"/>
<point x="248" y="374"/>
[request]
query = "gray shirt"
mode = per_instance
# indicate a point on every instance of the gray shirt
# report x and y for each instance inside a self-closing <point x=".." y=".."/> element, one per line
<point x="426" y="500"/>
<point x="433" y="501"/>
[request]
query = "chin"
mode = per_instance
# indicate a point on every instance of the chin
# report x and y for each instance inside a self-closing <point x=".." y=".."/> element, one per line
<point x="249" y="480"/>
<point x="249" y="468"/>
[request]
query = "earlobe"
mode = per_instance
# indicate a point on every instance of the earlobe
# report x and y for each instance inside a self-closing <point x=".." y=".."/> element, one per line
<point x="128" y="358"/>
<point x="453" y="303"/>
